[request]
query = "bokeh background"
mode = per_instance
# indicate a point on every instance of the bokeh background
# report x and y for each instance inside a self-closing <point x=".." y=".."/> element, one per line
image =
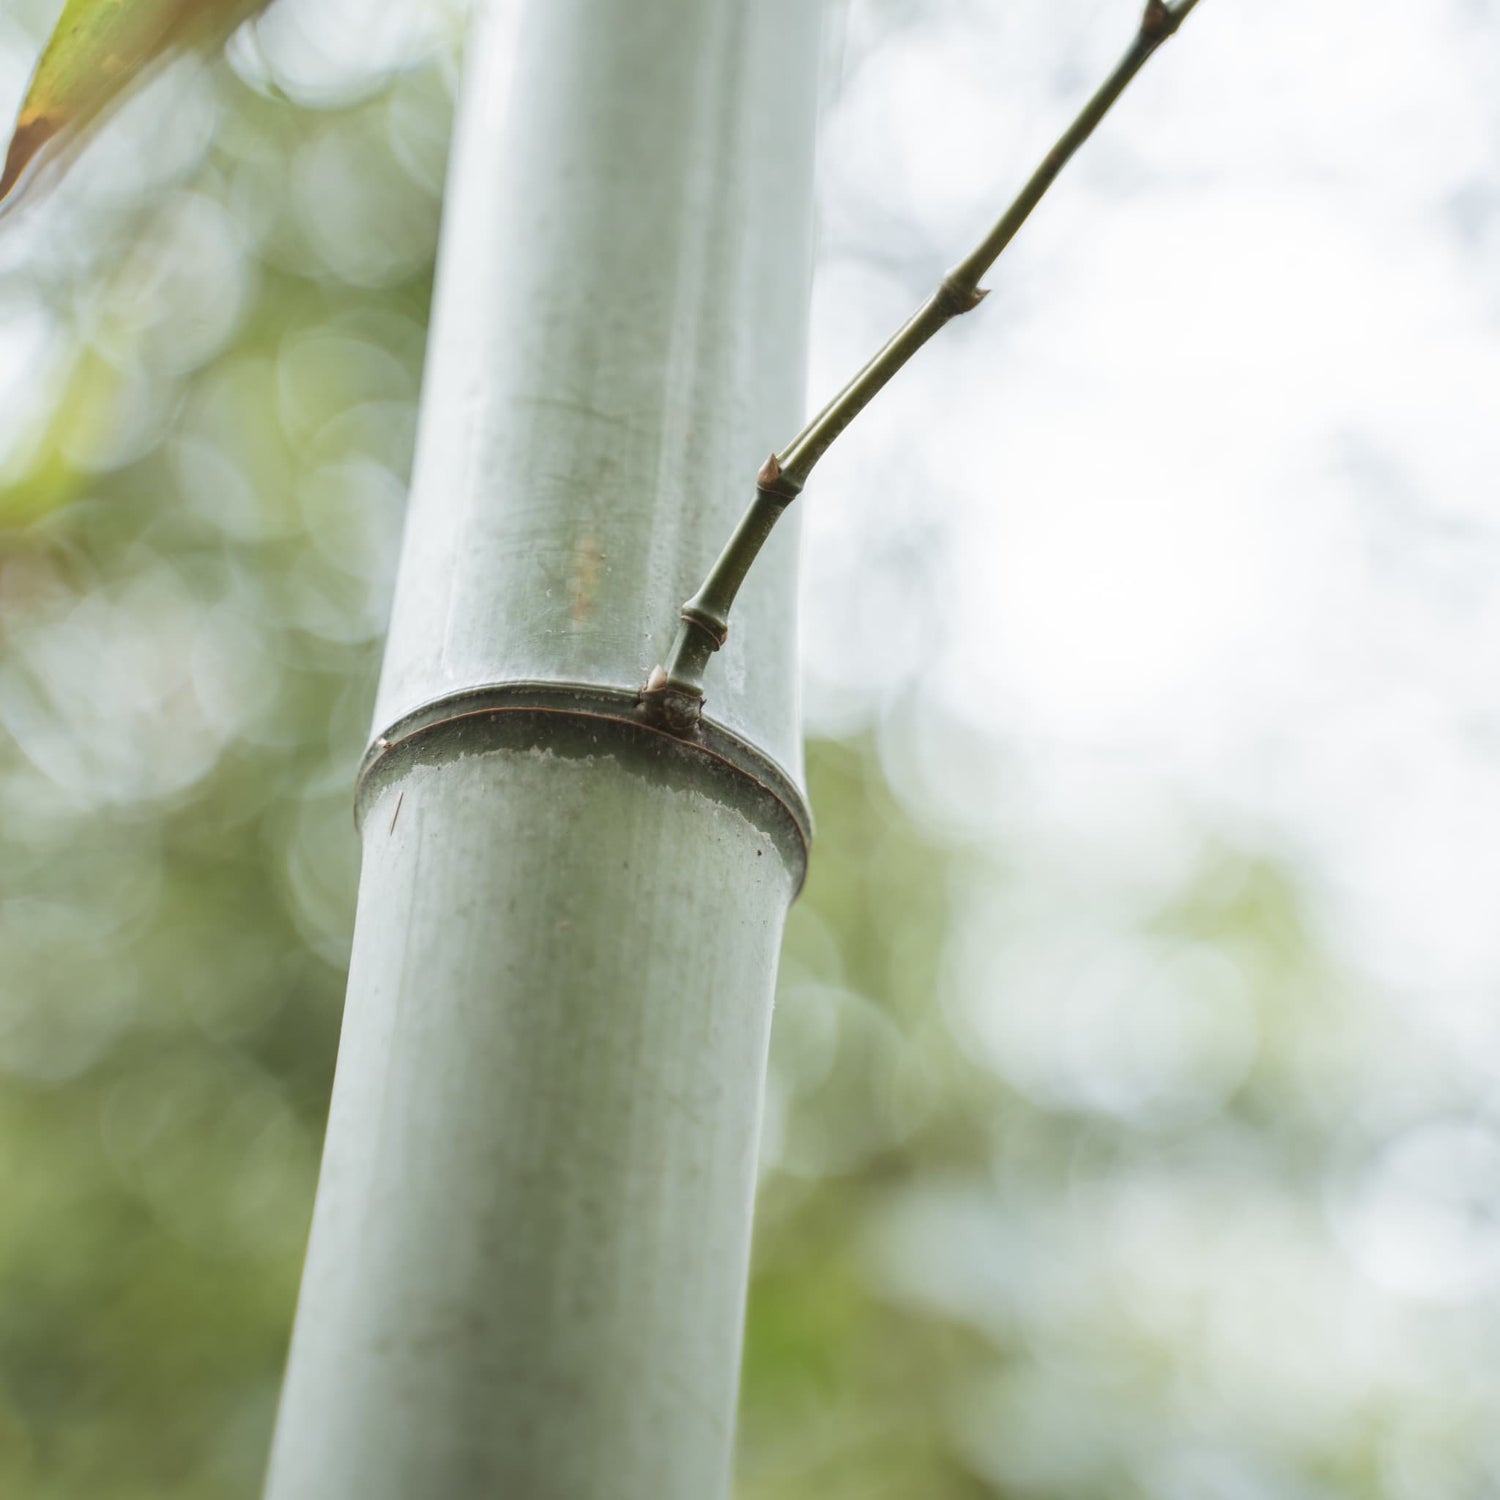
<point x="1133" y="1130"/>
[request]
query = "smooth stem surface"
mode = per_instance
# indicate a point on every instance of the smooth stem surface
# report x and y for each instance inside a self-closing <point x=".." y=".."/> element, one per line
<point x="675" y="691"/>
<point x="531" y="1240"/>
<point x="527" y="1270"/>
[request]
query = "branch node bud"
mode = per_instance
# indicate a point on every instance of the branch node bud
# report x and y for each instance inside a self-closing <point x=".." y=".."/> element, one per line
<point x="676" y="709"/>
<point x="958" y="297"/>
<point x="709" y="621"/>
<point x="774" y="481"/>
<point x="1159" y="21"/>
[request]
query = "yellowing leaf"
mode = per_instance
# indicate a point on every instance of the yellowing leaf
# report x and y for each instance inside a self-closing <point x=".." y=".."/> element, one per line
<point x="97" y="50"/>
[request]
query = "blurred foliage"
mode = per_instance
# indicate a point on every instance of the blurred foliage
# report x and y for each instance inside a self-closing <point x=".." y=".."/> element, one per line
<point x="97" y="50"/>
<point x="1077" y="1174"/>
<point x="212" y="356"/>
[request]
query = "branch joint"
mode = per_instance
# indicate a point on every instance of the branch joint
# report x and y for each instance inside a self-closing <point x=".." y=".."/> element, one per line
<point x="1160" y="20"/>
<point x="778" y="485"/>
<point x="956" y="295"/>
<point x="704" y="617"/>
<point x="676" y="707"/>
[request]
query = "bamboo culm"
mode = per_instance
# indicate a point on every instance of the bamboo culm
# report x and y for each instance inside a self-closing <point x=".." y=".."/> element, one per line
<point x="527" y="1268"/>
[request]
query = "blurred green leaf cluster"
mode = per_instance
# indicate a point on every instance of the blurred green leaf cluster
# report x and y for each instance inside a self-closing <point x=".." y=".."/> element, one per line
<point x="97" y="50"/>
<point x="202" y="470"/>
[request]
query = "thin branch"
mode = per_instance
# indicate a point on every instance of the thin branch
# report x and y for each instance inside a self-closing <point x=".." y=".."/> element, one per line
<point x="674" y="693"/>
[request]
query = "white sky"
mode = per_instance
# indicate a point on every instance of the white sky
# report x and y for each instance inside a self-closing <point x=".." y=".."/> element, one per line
<point x="1208" y="485"/>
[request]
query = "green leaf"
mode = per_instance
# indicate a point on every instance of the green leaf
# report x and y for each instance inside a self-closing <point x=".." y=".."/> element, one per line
<point x="98" y="49"/>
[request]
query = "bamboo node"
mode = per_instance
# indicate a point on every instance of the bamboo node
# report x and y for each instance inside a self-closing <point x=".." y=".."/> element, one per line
<point x="674" y="708"/>
<point x="710" y="621"/>
<point x="777" y="483"/>
<point x="957" y="297"/>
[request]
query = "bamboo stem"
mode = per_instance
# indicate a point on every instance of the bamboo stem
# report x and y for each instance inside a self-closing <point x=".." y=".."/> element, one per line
<point x="526" y="1274"/>
<point x="674" y="694"/>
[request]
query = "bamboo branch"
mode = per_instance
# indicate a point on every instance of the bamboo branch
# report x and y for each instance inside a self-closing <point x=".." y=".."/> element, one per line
<point x="674" y="694"/>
